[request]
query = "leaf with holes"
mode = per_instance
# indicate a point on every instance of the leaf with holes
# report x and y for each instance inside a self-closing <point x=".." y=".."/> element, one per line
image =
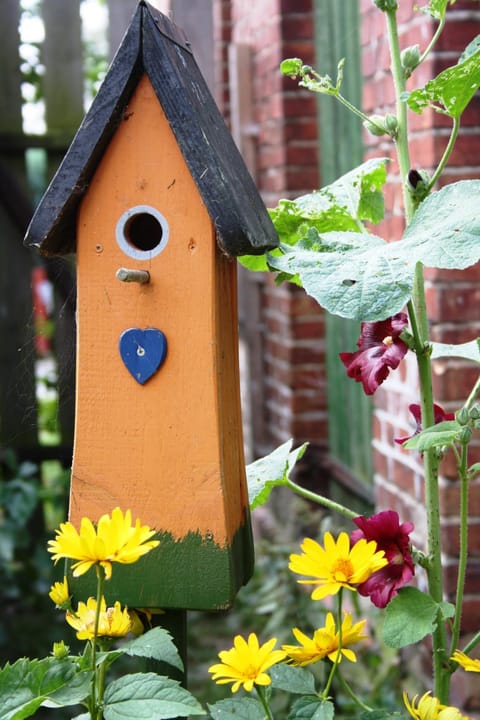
<point x="451" y="91"/>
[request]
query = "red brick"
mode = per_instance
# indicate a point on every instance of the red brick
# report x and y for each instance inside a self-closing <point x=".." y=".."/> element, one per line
<point x="453" y="382"/>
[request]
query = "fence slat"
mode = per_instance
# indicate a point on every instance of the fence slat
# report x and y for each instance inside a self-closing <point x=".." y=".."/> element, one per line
<point x="63" y="88"/>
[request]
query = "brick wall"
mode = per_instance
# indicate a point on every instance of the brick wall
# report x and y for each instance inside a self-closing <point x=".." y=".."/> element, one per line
<point x="452" y="296"/>
<point x="291" y="324"/>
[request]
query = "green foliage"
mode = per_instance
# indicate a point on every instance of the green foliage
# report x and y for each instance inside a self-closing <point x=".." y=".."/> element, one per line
<point x="467" y="351"/>
<point x="156" y="643"/>
<point x="437" y="8"/>
<point x="271" y="471"/>
<point x="242" y="708"/>
<point x="452" y="90"/>
<point x="312" y="707"/>
<point x="359" y="275"/>
<point x="411" y="616"/>
<point x="29" y="684"/>
<point x="27" y="622"/>
<point x="436" y="436"/>
<point x="147" y="696"/>
<point x="295" y="680"/>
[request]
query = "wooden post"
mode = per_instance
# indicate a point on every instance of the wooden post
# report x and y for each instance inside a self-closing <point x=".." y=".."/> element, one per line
<point x="18" y="417"/>
<point x="63" y="88"/>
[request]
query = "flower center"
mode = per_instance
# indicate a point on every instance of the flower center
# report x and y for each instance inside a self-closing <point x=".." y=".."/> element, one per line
<point x="388" y="340"/>
<point x="396" y="559"/>
<point x="250" y="672"/>
<point x="342" y="569"/>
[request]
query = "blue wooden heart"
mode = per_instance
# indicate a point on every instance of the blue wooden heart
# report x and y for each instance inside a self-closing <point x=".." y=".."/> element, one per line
<point x="143" y="352"/>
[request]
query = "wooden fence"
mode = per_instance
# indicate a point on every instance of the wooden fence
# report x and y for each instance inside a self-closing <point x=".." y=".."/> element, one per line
<point x="62" y="90"/>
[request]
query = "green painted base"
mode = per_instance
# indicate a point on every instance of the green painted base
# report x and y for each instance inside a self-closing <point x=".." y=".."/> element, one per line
<point x="192" y="574"/>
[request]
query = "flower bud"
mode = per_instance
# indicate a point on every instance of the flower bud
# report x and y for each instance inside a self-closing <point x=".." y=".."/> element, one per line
<point x="386" y="5"/>
<point x="410" y="59"/>
<point x="60" y="650"/>
<point x="376" y="125"/>
<point x="418" y="183"/>
<point x="464" y="436"/>
<point x="475" y="412"/>
<point x="391" y="123"/>
<point x="462" y="416"/>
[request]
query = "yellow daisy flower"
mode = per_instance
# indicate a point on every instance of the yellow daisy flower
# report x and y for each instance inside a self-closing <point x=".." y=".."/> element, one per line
<point x="325" y="642"/>
<point x="467" y="663"/>
<point x="430" y="708"/>
<point x="59" y="593"/>
<point x="114" y="539"/>
<point x="336" y="564"/>
<point x="246" y="663"/>
<point x="113" y="621"/>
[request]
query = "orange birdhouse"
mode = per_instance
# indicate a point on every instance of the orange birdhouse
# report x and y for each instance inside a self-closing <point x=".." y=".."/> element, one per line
<point x="155" y="200"/>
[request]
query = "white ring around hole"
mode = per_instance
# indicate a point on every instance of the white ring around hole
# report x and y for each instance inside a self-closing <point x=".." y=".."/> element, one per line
<point x="123" y="242"/>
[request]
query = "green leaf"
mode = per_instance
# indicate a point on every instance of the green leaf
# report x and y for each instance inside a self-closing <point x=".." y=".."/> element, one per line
<point x="357" y="194"/>
<point x="379" y="715"/>
<point x="72" y="693"/>
<point x="360" y="276"/>
<point x="445" y="230"/>
<point x="28" y="684"/>
<point x="437" y="8"/>
<point x="409" y="617"/>
<point x="238" y="708"/>
<point x="158" y="644"/>
<point x="343" y="205"/>
<point x="292" y="679"/>
<point x="311" y="707"/>
<point x="365" y="279"/>
<point x="270" y="471"/>
<point x="451" y="91"/>
<point x="291" y="67"/>
<point x="467" y="351"/>
<point x="474" y="470"/>
<point x="254" y="263"/>
<point x="439" y="435"/>
<point x="471" y="49"/>
<point x="147" y="696"/>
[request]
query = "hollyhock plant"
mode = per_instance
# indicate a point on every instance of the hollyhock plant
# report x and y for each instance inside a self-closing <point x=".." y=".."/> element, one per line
<point x="385" y="530"/>
<point x="439" y="416"/>
<point x="380" y="350"/>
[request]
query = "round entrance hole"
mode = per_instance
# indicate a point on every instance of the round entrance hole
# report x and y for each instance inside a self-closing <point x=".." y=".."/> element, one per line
<point x="142" y="232"/>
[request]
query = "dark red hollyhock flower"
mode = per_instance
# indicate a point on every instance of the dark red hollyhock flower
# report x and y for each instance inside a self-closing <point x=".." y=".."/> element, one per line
<point x="385" y="529"/>
<point x="439" y="416"/>
<point x="380" y="349"/>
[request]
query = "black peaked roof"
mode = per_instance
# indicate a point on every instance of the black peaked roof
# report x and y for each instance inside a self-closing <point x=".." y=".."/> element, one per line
<point x="155" y="46"/>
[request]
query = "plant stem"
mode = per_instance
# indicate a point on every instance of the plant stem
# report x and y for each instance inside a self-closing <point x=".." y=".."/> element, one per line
<point x="473" y="394"/>
<point x="473" y="643"/>
<point x="419" y="325"/>
<point x="338" y="656"/>
<point x="350" y="692"/>
<point x="446" y="154"/>
<point x="463" y="551"/>
<point x="320" y="500"/>
<point x="263" y="700"/>
<point x="94" y="712"/>
<point x="434" y="39"/>
<point x="401" y="110"/>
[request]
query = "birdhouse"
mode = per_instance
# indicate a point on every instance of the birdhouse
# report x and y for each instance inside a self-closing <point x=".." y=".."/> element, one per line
<point x="156" y="202"/>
